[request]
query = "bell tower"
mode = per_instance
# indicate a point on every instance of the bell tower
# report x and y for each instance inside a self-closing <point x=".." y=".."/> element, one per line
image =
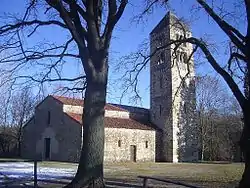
<point x="172" y="92"/>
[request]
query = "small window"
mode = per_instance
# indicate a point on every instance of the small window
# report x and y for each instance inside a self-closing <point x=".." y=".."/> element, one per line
<point x="176" y="36"/>
<point x="161" y="82"/>
<point x="160" y="108"/>
<point x="185" y="108"/>
<point x="185" y="58"/>
<point x="178" y="56"/>
<point x="146" y="144"/>
<point x="48" y="120"/>
<point x="161" y="58"/>
<point x="181" y="57"/>
<point x="119" y="143"/>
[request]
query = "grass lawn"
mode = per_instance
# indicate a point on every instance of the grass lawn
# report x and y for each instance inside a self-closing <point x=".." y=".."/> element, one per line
<point x="200" y="174"/>
<point x="204" y="175"/>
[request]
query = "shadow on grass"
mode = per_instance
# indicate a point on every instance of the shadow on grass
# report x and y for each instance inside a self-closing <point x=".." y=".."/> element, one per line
<point x="110" y="183"/>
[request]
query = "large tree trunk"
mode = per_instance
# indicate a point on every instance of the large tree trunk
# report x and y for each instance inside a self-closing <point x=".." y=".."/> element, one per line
<point x="245" y="148"/>
<point x="90" y="169"/>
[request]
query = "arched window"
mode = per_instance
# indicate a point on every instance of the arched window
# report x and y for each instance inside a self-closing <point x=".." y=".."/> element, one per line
<point x="160" y="109"/>
<point x="185" y="108"/>
<point x="177" y="56"/>
<point x="181" y="56"/>
<point x="176" y="36"/>
<point x="185" y="58"/>
<point x="146" y="144"/>
<point x="119" y="143"/>
<point x="161" y="58"/>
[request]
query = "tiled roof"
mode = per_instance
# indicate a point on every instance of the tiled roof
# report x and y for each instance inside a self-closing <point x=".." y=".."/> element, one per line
<point x="80" y="102"/>
<point x="116" y="122"/>
<point x="69" y="101"/>
<point x="132" y="109"/>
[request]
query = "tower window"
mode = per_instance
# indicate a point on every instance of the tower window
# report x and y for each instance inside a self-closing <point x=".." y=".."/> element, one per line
<point x="185" y="108"/>
<point x="161" y="58"/>
<point x="146" y="144"/>
<point x="185" y="58"/>
<point x="49" y="118"/>
<point x="178" y="56"/>
<point x="176" y="36"/>
<point x="160" y="109"/>
<point x="119" y="143"/>
<point x="181" y="57"/>
<point x="161" y="81"/>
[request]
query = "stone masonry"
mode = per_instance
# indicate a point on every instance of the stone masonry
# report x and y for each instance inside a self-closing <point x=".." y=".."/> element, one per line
<point x="59" y="119"/>
<point x="171" y="78"/>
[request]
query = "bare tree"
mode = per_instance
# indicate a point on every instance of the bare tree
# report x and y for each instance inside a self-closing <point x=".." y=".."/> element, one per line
<point x="216" y="114"/>
<point x="22" y="108"/>
<point x="207" y="107"/>
<point x="88" y="27"/>
<point x="234" y="71"/>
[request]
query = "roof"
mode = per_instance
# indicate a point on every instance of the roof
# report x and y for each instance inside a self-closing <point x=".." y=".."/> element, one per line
<point x="80" y="102"/>
<point x="116" y="122"/>
<point x="169" y="18"/>
<point x="132" y="109"/>
<point x="69" y="101"/>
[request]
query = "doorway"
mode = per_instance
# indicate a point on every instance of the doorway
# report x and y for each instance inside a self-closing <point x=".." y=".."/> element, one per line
<point x="47" y="148"/>
<point x="133" y="153"/>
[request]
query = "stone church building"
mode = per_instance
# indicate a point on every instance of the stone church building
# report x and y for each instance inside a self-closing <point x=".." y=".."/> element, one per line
<point x="165" y="132"/>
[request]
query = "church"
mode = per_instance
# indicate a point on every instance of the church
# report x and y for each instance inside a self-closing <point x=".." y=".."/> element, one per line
<point x="166" y="132"/>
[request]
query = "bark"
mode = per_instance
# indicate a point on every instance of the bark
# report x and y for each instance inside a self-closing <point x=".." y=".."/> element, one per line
<point x="245" y="137"/>
<point x="90" y="169"/>
<point x="244" y="145"/>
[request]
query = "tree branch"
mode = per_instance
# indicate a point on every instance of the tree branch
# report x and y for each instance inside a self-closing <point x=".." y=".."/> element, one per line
<point x="113" y="18"/>
<point x="10" y="27"/>
<point x="231" y="32"/>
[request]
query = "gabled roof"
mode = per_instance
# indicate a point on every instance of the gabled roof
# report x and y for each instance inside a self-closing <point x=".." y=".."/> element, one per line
<point x="116" y="122"/>
<point x="80" y="102"/>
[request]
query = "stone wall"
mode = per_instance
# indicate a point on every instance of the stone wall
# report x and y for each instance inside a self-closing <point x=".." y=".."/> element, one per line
<point x="64" y="133"/>
<point x="128" y="137"/>
<point x="72" y="109"/>
<point x="116" y="114"/>
<point x="182" y="76"/>
<point x="161" y="90"/>
<point x="65" y="136"/>
<point x="168" y="72"/>
<point x="108" y="113"/>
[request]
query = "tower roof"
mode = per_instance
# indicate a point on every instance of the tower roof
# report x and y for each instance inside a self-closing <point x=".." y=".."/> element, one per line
<point x="169" y="18"/>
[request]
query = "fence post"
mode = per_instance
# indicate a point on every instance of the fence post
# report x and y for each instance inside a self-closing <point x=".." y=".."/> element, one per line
<point x="35" y="173"/>
<point x="145" y="181"/>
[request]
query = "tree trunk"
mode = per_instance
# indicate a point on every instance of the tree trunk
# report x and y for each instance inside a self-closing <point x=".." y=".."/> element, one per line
<point x="244" y="145"/>
<point x="90" y="169"/>
<point x="19" y="140"/>
<point x="19" y="148"/>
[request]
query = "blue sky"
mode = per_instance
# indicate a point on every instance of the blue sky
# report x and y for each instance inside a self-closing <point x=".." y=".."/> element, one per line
<point x="128" y="35"/>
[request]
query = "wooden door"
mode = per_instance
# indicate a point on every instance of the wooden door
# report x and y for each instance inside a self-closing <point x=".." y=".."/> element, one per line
<point x="47" y="148"/>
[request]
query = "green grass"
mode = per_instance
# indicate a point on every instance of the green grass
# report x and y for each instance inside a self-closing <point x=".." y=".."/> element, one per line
<point x="188" y="172"/>
<point x="55" y="164"/>
<point x="11" y="159"/>
<point x="216" y="175"/>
